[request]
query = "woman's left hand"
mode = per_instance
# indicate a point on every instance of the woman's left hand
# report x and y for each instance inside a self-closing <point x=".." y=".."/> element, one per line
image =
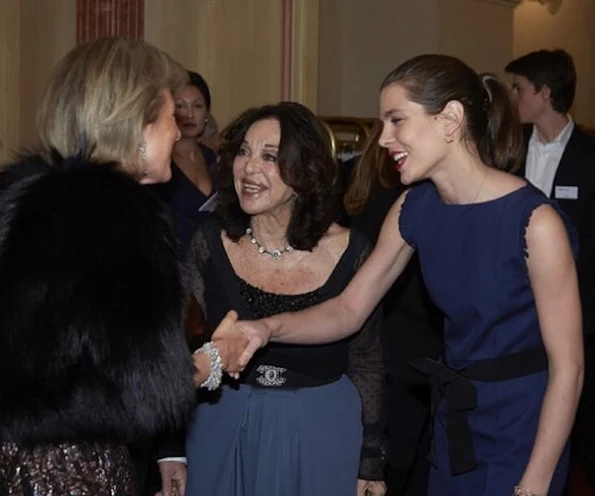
<point x="370" y="488"/>
<point x="258" y="335"/>
<point x="231" y="343"/>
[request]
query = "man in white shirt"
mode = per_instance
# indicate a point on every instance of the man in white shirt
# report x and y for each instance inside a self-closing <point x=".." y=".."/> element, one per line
<point x="543" y="86"/>
<point x="543" y="157"/>
<point x="561" y="162"/>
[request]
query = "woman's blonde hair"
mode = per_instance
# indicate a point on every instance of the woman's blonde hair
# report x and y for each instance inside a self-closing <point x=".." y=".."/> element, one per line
<point x="100" y="97"/>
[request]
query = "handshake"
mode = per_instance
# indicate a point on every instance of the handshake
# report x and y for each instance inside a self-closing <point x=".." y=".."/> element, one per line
<point x="231" y="347"/>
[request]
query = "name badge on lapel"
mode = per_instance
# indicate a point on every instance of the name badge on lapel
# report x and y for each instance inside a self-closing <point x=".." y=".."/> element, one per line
<point x="566" y="193"/>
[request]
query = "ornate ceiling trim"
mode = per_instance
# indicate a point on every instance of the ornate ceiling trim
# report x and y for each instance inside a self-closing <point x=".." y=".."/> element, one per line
<point x="510" y="3"/>
<point x="553" y="6"/>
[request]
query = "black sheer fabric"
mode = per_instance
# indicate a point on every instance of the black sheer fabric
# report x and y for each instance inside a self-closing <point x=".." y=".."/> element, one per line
<point x="218" y="289"/>
<point x="83" y="468"/>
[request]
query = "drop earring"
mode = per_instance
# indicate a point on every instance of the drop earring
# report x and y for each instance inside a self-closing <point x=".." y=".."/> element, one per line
<point x="142" y="150"/>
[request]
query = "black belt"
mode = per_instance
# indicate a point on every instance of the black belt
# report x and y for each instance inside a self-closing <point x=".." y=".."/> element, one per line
<point x="460" y="394"/>
<point x="274" y="376"/>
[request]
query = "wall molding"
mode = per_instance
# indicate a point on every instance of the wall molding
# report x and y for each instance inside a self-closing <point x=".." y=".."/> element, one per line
<point x="286" y="49"/>
<point x="10" y="70"/>
<point x="96" y="19"/>
<point x="305" y="52"/>
<point x="553" y="6"/>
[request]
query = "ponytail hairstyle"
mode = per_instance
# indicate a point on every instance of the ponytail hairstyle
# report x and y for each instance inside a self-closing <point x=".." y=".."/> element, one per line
<point x="491" y="128"/>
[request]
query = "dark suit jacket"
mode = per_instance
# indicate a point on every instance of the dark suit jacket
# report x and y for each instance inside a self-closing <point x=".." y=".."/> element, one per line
<point x="577" y="169"/>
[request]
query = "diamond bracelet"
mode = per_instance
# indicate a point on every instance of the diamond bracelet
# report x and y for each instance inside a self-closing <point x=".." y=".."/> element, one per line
<point x="520" y="491"/>
<point x="214" y="379"/>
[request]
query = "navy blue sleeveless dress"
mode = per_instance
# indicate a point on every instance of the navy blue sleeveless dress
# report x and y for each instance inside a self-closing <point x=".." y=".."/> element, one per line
<point x="473" y="259"/>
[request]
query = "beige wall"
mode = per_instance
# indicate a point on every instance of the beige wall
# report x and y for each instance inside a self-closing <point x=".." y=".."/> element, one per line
<point x="341" y="48"/>
<point x="240" y="53"/>
<point x="477" y="31"/>
<point x="34" y="34"/>
<point x="305" y="45"/>
<point x="48" y="32"/>
<point x="571" y="28"/>
<point x="360" y="42"/>
<point x="172" y="26"/>
<point x="9" y="77"/>
<point x="237" y="46"/>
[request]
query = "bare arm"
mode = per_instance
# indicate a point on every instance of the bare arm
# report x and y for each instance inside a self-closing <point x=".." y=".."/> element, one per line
<point x="345" y="314"/>
<point x="553" y="278"/>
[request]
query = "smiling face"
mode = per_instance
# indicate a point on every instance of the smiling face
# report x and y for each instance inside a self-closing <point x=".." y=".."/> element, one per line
<point x="412" y="137"/>
<point x="191" y="111"/>
<point x="256" y="174"/>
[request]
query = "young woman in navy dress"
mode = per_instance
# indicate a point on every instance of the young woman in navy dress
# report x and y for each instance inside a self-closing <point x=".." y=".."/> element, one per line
<point x="498" y="259"/>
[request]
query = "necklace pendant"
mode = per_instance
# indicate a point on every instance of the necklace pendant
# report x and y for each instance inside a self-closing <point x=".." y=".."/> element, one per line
<point x="274" y="254"/>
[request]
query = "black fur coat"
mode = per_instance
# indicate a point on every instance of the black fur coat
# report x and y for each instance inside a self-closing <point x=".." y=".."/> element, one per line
<point x="91" y="307"/>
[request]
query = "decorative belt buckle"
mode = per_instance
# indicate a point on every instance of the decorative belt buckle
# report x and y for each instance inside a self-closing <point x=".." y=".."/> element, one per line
<point x="271" y="376"/>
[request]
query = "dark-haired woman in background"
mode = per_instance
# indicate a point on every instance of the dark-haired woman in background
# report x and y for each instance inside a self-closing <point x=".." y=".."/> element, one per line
<point x="193" y="164"/>
<point x="293" y="427"/>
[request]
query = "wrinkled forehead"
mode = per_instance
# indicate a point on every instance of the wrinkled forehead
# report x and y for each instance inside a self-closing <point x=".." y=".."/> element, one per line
<point x="265" y="132"/>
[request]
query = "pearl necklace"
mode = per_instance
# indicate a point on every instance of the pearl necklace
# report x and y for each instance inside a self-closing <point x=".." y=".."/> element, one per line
<point x="274" y="254"/>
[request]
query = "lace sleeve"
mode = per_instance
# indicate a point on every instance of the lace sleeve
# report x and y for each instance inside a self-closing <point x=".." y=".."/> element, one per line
<point x="198" y="253"/>
<point x="366" y="370"/>
<point x="197" y="329"/>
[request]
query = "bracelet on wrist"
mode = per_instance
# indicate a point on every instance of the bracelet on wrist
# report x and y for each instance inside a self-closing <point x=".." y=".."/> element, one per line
<point x="520" y="491"/>
<point x="214" y="380"/>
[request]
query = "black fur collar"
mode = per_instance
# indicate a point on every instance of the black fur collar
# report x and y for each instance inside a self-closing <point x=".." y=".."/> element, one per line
<point x="91" y="306"/>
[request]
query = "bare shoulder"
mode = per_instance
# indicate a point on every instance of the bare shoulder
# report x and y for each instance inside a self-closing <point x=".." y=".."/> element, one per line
<point x="546" y="236"/>
<point x="544" y="223"/>
<point x="392" y="217"/>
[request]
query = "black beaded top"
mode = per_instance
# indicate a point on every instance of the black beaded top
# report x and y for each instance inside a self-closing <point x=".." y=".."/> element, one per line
<point x="218" y="289"/>
<point x="263" y="304"/>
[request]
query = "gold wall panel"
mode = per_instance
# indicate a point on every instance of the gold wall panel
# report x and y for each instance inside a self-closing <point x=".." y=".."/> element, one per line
<point x="9" y="77"/>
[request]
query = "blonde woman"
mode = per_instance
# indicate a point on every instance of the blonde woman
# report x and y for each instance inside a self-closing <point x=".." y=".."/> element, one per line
<point x="92" y="351"/>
